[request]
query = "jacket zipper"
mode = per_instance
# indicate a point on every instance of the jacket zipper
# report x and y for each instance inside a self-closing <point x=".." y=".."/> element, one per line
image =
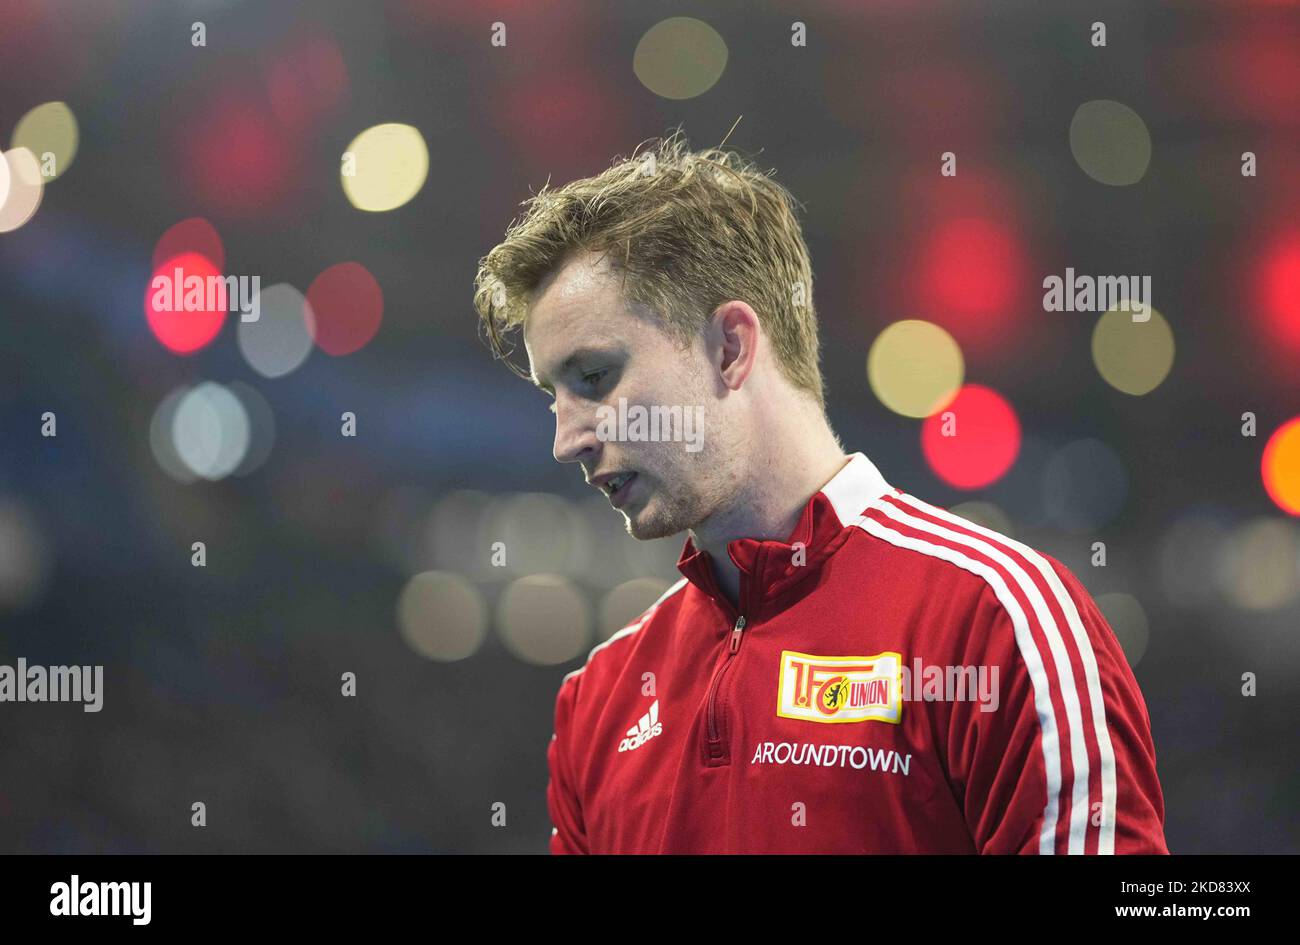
<point x="715" y="751"/>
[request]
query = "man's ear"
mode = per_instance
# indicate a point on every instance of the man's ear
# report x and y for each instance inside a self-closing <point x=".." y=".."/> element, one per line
<point x="734" y="336"/>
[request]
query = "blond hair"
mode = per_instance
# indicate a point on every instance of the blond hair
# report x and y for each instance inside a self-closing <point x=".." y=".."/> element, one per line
<point x="688" y="231"/>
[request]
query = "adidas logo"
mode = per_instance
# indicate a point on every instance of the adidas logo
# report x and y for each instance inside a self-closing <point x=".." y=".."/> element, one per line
<point x="645" y="729"/>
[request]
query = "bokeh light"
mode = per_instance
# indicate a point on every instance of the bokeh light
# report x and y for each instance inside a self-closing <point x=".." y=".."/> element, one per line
<point x="553" y="112"/>
<point x="1280" y="467"/>
<point x="915" y="368"/>
<point x="386" y="167"/>
<point x="344" y="308"/>
<point x="970" y="276"/>
<point x="442" y="616"/>
<point x="210" y="431"/>
<point x="261" y="427"/>
<point x="193" y="235"/>
<point x="1278" y="289"/>
<point x="680" y="57"/>
<point x="539" y="532"/>
<point x="1133" y="356"/>
<point x="161" y="441"/>
<point x="177" y="286"/>
<point x="49" y="131"/>
<point x="236" y="156"/>
<point x="974" y="440"/>
<point x="278" y="342"/>
<point x="24" y="189"/>
<point x="1110" y="142"/>
<point x="544" y="619"/>
<point x="1259" y="567"/>
<point x="456" y="535"/>
<point x="1252" y="59"/>
<point x="623" y="604"/>
<point x="26" y="556"/>
<point x="608" y="565"/>
<point x="307" y="81"/>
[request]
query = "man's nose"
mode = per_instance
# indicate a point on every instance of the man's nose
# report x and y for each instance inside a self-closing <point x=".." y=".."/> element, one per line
<point x="575" y="434"/>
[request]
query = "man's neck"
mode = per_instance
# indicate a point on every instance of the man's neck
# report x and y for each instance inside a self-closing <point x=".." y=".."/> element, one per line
<point x="770" y="506"/>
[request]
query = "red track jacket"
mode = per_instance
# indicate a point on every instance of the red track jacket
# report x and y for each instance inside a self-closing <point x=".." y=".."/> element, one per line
<point x="897" y="680"/>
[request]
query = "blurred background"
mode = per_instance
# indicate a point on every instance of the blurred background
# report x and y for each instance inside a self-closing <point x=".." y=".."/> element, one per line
<point x="136" y="142"/>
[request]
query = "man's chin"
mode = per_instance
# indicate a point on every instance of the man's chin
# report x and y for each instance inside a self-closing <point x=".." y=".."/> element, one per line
<point x="643" y="525"/>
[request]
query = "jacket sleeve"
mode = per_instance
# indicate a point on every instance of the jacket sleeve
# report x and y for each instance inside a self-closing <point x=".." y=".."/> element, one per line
<point x="1066" y="761"/>
<point x="568" y="833"/>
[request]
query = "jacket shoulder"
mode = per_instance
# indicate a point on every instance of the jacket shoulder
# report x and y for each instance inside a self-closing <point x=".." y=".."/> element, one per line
<point x="941" y="550"/>
<point x="614" y="650"/>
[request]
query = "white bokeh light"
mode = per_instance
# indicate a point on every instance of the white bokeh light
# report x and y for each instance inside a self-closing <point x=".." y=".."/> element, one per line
<point x="278" y="342"/>
<point x="210" y="431"/>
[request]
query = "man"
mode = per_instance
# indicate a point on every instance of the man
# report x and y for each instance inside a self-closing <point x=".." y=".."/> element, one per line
<point x="842" y="668"/>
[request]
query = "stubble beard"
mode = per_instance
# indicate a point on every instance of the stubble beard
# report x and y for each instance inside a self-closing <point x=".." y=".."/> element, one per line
<point x="664" y="515"/>
<point x="680" y="502"/>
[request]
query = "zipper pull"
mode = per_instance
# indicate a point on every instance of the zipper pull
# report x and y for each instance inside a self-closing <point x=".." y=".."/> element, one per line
<point x="735" y="633"/>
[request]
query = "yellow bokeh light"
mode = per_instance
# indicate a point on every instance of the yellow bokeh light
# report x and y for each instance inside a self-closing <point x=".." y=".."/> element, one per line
<point x="915" y="367"/>
<point x="442" y="616"/>
<point x="544" y="619"/>
<point x="384" y="167"/>
<point x="1259" y="568"/>
<point x="1110" y="142"/>
<point x="680" y="57"/>
<point x="49" y="131"/>
<point x="1133" y="356"/>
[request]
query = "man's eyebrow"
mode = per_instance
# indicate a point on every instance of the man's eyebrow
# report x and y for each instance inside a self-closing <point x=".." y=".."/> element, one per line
<point x="567" y="365"/>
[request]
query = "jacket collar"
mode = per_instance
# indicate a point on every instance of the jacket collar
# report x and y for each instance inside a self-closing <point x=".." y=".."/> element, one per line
<point x="768" y="568"/>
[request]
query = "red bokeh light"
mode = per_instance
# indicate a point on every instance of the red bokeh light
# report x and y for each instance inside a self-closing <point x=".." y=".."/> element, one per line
<point x="195" y="235"/>
<point x="985" y="443"/>
<point x="237" y="157"/>
<point x="346" y="307"/>
<point x="562" y="115"/>
<point x="968" y="278"/>
<point x="179" y="330"/>
<point x="1278" y="288"/>
<point x="306" y="82"/>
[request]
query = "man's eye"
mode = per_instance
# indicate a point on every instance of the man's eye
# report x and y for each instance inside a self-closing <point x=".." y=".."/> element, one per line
<point x="589" y="379"/>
